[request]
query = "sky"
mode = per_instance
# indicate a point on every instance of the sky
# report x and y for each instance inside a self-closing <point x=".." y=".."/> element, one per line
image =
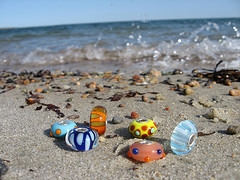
<point x="29" y="13"/>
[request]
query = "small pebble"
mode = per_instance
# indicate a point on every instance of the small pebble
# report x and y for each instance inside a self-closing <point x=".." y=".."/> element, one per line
<point x="215" y="120"/>
<point x="72" y="83"/>
<point x="99" y="88"/>
<point x="195" y="104"/>
<point x="73" y="117"/>
<point x="234" y="92"/>
<point x="84" y="95"/>
<point x="188" y="91"/>
<point x="144" y="98"/>
<point x="38" y="90"/>
<point x="66" y="87"/>
<point x="167" y="108"/>
<point x="26" y="81"/>
<point x="154" y="73"/>
<point x="45" y="91"/>
<point x="205" y="103"/>
<point x="160" y="97"/>
<point x="180" y="86"/>
<point x="134" y="115"/>
<point x="107" y="74"/>
<point x="78" y="83"/>
<point x="221" y="114"/>
<point x="154" y="80"/>
<point x="91" y="85"/>
<point x="193" y="83"/>
<point x="3" y="168"/>
<point x="101" y="139"/>
<point x="69" y="100"/>
<point x="177" y="71"/>
<point x="117" y="119"/>
<point x="121" y="105"/>
<point x="227" y="82"/>
<point x="233" y="130"/>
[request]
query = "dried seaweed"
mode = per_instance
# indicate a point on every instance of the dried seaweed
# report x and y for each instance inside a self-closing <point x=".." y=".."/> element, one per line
<point x="205" y="134"/>
<point x="131" y="94"/>
<point x="8" y="89"/>
<point x="54" y="108"/>
<point x="38" y="108"/>
<point x="117" y="96"/>
<point x="35" y="98"/>
<point x="111" y="136"/>
<point x="223" y="76"/>
<point x="68" y="106"/>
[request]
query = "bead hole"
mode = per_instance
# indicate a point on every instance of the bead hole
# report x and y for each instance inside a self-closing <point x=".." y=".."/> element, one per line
<point x="63" y="123"/>
<point x="191" y="140"/>
<point x="146" y="142"/>
<point x="81" y="129"/>
<point x="142" y="120"/>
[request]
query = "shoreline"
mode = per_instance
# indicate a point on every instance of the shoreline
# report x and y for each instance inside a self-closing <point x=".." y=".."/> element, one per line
<point x="29" y="152"/>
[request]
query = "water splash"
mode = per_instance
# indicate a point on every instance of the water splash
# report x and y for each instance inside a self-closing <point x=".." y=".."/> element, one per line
<point x="164" y="44"/>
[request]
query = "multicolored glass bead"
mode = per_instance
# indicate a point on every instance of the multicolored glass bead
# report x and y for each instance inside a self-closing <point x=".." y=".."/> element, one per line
<point x="82" y="138"/>
<point x="146" y="151"/>
<point x="98" y="119"/>
<point x="60" y="129"/>
<point x="184" y="137"/>
<point x="142" y="128"/>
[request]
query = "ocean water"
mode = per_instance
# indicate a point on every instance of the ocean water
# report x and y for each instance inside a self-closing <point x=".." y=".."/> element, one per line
<point x="129" y="46"/>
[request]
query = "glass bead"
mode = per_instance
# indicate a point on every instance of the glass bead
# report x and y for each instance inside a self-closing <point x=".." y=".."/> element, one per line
<point x="60" y="129"/>
<point x="98" y="119"/>
<point x="146" y="151"/>
<point x="82" y="139"/>
<point x="142" y="128"/>
<point x="184" y="137"/>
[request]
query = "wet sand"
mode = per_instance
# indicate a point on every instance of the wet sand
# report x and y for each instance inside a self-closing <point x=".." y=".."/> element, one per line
<point x="28" y="152"/>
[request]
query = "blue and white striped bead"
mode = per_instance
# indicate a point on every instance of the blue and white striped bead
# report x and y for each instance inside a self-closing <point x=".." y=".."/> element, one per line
<point x="82" y="139"/>
<point x="184" y="137"/>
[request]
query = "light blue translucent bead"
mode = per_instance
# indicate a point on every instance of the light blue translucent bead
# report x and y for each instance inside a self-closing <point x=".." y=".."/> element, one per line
<point x="60" y="129"/>
<point x="183" y="137"/>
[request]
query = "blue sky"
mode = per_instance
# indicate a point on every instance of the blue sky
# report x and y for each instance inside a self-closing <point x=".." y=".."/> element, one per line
<point x="27" y="13"/>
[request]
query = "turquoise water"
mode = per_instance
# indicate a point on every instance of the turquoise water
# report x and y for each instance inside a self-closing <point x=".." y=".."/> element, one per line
<point x="165" y="45"/>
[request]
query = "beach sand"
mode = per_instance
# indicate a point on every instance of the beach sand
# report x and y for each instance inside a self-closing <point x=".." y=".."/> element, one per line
<point x="28" y="152"/>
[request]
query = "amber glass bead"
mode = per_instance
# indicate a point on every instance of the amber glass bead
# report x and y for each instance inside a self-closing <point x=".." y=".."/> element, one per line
<point x="98" y="119"/>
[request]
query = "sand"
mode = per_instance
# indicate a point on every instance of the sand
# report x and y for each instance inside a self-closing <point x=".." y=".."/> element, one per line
<point x="28" y="152"/>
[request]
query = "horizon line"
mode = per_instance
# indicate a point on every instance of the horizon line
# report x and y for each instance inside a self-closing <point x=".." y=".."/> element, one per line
<point x="117" y="21"/>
